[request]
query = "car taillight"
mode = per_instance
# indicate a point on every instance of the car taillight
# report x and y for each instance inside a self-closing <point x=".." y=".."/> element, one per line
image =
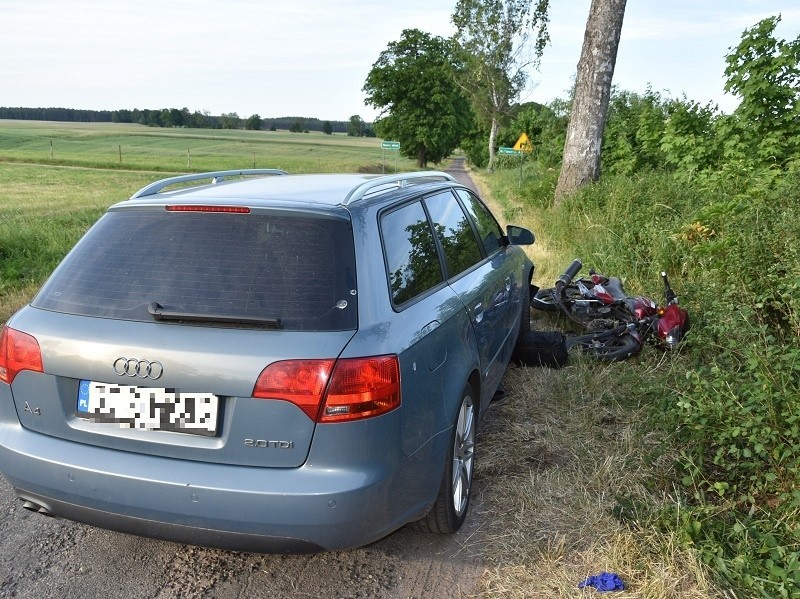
<point x="301" y="382"/>
<point x="356" y="387"/>
<point x="362" y="388"/>
<point x="18" y="351"/>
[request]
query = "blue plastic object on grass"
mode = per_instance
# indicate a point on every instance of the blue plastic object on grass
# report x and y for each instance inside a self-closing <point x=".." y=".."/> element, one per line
<point x="605" y="581"/>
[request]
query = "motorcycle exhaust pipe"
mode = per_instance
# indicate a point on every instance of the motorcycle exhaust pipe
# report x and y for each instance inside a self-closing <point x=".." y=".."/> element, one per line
<point x="569" y="274"/>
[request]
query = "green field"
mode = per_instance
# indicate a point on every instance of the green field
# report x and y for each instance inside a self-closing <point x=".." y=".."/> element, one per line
<point x="124" y="146"/>
<point x="58" y="178"/>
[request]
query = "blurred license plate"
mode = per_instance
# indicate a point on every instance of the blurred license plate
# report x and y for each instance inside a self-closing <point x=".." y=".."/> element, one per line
<point x="148" y="408"/>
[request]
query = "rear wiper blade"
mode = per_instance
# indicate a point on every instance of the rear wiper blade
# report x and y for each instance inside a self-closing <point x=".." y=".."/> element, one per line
<point x="159" y="312"/>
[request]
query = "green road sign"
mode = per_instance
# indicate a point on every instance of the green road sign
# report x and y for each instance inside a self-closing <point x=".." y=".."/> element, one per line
<point x="390" y="145"/>
<point x="510" y="151"/>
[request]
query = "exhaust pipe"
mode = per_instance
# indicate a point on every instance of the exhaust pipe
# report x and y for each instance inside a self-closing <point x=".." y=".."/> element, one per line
<point x="32" y="506"/>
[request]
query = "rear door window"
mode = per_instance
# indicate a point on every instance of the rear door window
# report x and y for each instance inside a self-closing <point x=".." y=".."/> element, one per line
<point x="455" y="233"/>
<point x="299" y="269"/>
<point x="412" y="260"/>
<point x="489" y="231"/>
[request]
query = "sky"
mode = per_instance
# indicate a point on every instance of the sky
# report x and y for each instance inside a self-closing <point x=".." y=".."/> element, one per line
<point x="310" y="58"/>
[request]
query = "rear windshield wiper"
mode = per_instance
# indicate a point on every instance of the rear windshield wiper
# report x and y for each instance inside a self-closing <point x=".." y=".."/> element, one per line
<point x="159" y="312"/>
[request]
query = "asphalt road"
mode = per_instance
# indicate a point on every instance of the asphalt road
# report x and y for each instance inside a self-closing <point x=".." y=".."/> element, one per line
<point x="460" y="173"/>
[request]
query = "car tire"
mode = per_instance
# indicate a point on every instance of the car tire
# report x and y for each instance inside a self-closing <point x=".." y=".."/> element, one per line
<point x="450" y="508"/>
<point x="542" y="348"/>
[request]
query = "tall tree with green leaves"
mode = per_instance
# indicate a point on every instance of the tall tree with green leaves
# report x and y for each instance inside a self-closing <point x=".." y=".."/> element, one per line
<point x="581" y="162"/>
<point x="765" y="73"/>
<point x="422" y="107"/>
<point x="355" y="126"/>
<point x="493" y="54"/>
<point x="230" y="120"/>
<point x="253" y="122"/>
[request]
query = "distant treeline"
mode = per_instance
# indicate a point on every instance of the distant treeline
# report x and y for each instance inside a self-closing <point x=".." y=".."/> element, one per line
<point x="56" y="114"/>
<point x="174" y="117"/>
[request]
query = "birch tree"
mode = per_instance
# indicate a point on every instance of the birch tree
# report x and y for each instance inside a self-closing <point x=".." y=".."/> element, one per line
<point x="493" y="54"/>
<point x="581" y="162"/>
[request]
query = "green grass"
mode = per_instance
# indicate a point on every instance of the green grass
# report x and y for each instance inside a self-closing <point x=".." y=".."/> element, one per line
<point x="44" y="210"/>
<point x="562" y="461"/>
<point x="99" y="145"/>
<point x="572" y="457"/>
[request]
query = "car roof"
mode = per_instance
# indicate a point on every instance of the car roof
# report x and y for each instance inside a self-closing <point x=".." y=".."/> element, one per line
<point x="270" y="186"/>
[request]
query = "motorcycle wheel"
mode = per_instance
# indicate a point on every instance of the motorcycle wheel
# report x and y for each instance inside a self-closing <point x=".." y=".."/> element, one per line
<point x="607" y="347"/>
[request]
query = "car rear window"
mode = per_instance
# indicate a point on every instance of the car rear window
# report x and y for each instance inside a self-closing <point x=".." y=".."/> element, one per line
<point x="299" y="269"/>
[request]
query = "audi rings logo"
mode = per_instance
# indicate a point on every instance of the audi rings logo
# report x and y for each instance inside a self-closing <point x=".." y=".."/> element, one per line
<point x="144" y="369"/>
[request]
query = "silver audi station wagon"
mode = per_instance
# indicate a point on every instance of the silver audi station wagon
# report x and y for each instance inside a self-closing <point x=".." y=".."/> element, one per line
<point x="265" y="362"/>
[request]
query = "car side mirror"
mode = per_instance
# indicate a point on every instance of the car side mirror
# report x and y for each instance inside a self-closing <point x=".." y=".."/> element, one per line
<point x="519" y="235"/>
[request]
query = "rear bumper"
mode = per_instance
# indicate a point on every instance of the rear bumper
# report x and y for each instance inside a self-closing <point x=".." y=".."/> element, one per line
<point x="292" y="510"/>
<point x="206" y="537"/>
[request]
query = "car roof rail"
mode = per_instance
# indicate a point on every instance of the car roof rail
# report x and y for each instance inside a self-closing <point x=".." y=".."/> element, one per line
<point x="388" y="182"/>
<point x="215" y="176"/>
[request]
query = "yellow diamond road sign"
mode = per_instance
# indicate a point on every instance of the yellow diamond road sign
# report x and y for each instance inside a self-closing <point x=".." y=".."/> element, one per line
<point x="523" y="144"/>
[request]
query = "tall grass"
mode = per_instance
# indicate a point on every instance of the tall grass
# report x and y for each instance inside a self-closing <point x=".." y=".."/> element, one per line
<point x="566" y="472"/>
<point x="727" y="406"/>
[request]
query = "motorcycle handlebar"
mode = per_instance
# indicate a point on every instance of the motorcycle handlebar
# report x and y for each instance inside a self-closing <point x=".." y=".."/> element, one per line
<point x="569" y="274"/>
<point x="668" y="292"/>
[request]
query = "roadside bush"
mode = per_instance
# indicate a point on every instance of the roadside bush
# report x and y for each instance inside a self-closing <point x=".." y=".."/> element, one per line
<point x="546" y="127"/>
<point x="475" y="146"/>
<point x="634" y="129"/>
<point x="728" y="405"/>
<point x="624" y="226"/>
<point x="738" y="415"/>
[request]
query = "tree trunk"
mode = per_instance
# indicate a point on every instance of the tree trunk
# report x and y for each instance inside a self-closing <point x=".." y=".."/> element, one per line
<point x="492" y="142"/>
<point x="581" y="162"/>
<point x="422" y="156"/>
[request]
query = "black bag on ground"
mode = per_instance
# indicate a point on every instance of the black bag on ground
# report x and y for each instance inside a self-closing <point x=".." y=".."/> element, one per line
<point x="542" y="348"/>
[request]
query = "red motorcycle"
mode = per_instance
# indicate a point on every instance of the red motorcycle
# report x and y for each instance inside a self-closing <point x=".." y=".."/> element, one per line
<point x="616" y="324"/>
